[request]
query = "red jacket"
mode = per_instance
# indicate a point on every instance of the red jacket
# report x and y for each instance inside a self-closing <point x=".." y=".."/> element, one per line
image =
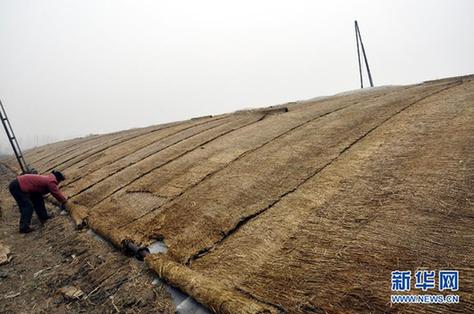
<point x="35" y="183"/>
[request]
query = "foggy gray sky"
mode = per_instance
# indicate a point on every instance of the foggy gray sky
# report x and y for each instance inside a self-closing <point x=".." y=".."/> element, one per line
<point x="70" y="68"/>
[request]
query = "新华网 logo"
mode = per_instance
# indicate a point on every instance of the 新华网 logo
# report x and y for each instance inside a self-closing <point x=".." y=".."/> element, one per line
<point x="424" y="280"/>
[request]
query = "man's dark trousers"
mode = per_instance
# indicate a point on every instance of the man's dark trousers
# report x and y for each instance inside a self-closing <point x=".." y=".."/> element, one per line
<point x="27" y="202"/>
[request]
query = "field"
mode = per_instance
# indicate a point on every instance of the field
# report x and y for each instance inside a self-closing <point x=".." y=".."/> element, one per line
<point x="304" y="207"/>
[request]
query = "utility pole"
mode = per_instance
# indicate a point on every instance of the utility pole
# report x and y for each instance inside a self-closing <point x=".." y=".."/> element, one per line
<point x="361" y="44"/>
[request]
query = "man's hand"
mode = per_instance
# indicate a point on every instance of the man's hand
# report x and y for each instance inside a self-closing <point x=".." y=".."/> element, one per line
<point x="63" y="207"/>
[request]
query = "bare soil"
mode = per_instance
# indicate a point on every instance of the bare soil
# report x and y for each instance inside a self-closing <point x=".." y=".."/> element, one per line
<point x="57" y="255"/>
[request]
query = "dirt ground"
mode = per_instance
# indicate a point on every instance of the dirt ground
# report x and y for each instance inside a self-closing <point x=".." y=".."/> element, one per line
<point x="57" y="255"/>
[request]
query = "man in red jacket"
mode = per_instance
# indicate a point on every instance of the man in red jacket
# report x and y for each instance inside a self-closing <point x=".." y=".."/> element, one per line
<point x="28" y="191"/>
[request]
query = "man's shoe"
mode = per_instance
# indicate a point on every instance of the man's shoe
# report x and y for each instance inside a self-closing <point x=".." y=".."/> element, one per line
<point x="43" y="220"/>
<point x="26" y="230"/>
